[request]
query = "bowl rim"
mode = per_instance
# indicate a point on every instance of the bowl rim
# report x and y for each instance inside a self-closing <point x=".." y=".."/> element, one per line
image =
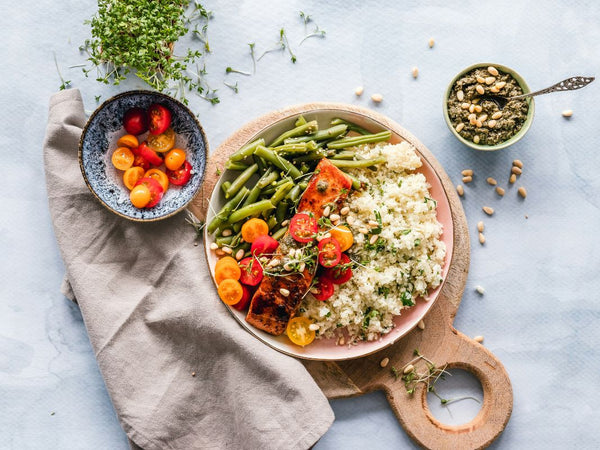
<point x="513" y="139"/>
<point x="126" y="94"/>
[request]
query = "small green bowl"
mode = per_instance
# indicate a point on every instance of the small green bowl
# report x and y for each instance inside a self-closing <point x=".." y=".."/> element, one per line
<point x="508" y="142"/>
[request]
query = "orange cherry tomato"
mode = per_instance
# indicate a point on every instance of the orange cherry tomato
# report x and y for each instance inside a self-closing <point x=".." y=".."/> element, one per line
<point x="174" y="159"/>
<point x="162" y="142"/>
<point x="343" y="235"/>
<point x="299" y="332"/>
<point x="122" y="158"/>
<point x="129" y="140"/>
<point x="156" y="190"/>
<point x="230" y="291"/>
<point x="227" y="269"/>
<point x="159" y="176"/>
<point x="254" y="228"/>
<point x="132" y="176"/>
<point x="140" y="196"/>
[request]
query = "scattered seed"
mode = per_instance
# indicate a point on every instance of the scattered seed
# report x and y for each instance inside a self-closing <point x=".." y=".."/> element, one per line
<point x="476" y="139"/>
<point x="478" y="339"/>
<point x="491" y="181"/>
<point x="326" y="211"/>
<point x="377" y="98"/>
<point x="240" y="254"/>
<point x="373" y="224"/>
<point x="313" y="327"/>
<point x="384" y="362"/>
<point x="488" y="210"/>
<point x="285" y="223"/>
<point x="467" y="179"/>
<point x="284" y="292"/>
<point x="512" y="178"/>
<point x="341" y="340"/>
<point x="415" y="72"/>
<point x="467" y="173"/>
<point x="373" y="239"/>
<point x="480" y="290"/>
<point x="408" y="369"/>
<point x="460" y="190"/>
<point x="459" y="127"/>
<point x="350" y="220"/>
<point x="481" y="238"/>
<point x="363" y="231"/>
<point x="334" y="217"/>
<point x="226" y="233"/>
<point x="493" y="71"/>
<point x="516" y="170"/>
<point x="359" y="91"/>
<point x="431" y="42"/>
<point x="480" y="80"/>
<point x="490" y="80"/>
<point x="480" y="226"/>
<point x="500" y="191"/>
<point x="227" y="250"/>
<point x="479" y="88"/>
<point x="421" y="325"/>
<point x="219" y="252"/>
<point x="518" y="163"/>
<point x="567" y="113"/>
<point x="214" y="246"/>
<point x="522" y="192"/>
<point x="460" y="95"/>
<point x="491" y="123"/>
<point x="345" y="210"/>
<point x="193" y="374"/>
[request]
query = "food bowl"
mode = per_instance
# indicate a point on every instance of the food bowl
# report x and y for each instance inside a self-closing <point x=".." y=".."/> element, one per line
<point x="99" y="140"/>
<point x="450" y="97"/>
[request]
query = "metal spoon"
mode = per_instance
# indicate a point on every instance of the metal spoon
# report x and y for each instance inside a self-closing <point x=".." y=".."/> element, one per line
<point x="570" y="84"/>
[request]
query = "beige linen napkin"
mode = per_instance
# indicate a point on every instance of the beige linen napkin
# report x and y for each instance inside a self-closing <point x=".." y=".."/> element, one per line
<point x="154" y="320"/>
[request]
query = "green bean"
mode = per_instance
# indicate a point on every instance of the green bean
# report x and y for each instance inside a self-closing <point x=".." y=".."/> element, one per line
<point x="279" y="233"/>
<point x="348" y="164"/>
<point x="240" y="181"/>
<point x="224" y="240"/>
<point x="356" y="184"/>
<point x="234" y="165"/>
<point x="225" y="211"/>
<point x="360" y="140"/>
<point x="300" y="121"/>
<point x="307" y="128"/>
<point x="319" y="154"/>
<point x="246" y="150"/>
<point x="344" y="154"/>
<point x="303" y="185"/>
<point x="351" y="126"/>
<point x="272" y="222"/>
<point x="300" y="147"/>
<point x="268" y="177"/>
<point x="281" y="211"/>
<point x="237" y="227"/>
<point x="270" y="190"/>
<point x="250" y="210"/>
<point x="262" y="165"/>
<point x="252" y="196"/>
<point x="281" y="192"/>
<point x="225" y="186"/>
<point x="320" y="135"/>
<point x="294" y="193"/>
<point x="277" y="161"/>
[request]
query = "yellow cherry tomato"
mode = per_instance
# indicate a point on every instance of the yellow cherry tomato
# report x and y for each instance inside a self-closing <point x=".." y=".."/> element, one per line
<point x="174" y="159"/>
<point x="299" y="332"/>
<point x="122" y="158"/>
<point x="343" y="235"/>
<point x="129" y="140"/>
<point x="159" y="176"/>
<point x="140" y="196"/>
<point x="132" y="176"/>
<point x="162" y="142"/>
<point x="254" y="228"/>
<point x="230" y="291"/>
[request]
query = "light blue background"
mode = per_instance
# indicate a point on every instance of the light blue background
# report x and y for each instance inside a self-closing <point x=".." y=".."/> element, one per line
<point x="540" y="313"/>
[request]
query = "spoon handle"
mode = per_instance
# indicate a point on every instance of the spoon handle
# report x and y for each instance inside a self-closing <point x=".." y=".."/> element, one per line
<point x="570" y="84"/>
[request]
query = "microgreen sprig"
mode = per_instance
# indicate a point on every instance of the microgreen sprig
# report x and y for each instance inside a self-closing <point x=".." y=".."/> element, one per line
<point x="64" y="83"/>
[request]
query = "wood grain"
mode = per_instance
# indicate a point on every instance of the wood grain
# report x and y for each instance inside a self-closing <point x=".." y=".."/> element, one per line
<point x="439" y="341"/>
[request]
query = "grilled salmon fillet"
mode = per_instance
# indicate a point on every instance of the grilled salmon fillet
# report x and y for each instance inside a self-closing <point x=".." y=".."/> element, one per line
<point x="270" y="310"/>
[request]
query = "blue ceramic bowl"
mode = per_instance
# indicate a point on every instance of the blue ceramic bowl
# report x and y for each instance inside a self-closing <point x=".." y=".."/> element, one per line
<point x="98" y="141"/>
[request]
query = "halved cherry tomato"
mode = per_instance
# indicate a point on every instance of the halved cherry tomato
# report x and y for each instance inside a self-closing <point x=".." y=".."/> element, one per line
<point x="140" y="196"/>
<point x="324" y="289"/>
<point x="159" y="176"/>
<point x="340" y="273"/>
<point x="230" y="291"/>
<point x="128" y="140"/>
<point x="343" y="235"/>
<point x="175" y="159"/>
<point x="148" y="154"/>
<point x="159" y="119"/>
<point x="156" y="190"/>
<point x="299" y="332"/>
<point x="303" y="228"/>
<point x="135" y="121"/>
<point x="329" y="252"/>
<point x="132" y="176"/>
<point x="253" y="228"/>
<point x="122" y="158"/>
<point x="227" y="268"/>
<point x="162" y="142"/>
<point x="263" y="245"/>
<point x="252" y="272"/>
<point x="140" y="161"/>
<point x="245" y="301"/>
<point x="180" y="176"/>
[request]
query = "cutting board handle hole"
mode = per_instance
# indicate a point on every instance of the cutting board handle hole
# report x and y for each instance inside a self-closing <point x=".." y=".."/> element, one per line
<point x="459" y="398"/>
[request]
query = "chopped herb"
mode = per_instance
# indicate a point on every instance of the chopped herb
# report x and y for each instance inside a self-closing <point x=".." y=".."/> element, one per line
<point x="383" y="290"/>
<point x="97" y="97"/>
<point x="406" y="298"/>
<point x="328" y="314"/>
<point x="379" y="228"/>
<point x="417" y="242"/>
<point x="407" y="231"/>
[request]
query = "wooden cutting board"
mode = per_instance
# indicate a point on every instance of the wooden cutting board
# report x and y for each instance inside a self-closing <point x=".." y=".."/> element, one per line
<point x="439" y="340"/>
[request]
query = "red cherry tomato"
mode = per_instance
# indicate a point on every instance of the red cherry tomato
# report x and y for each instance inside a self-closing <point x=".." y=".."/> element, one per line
<point x="148" y="154"/>
<point x="245" y="301"/>
<point x="156" y="190"/>
<point x="135" y="121"/>
<point x="329" y="252"/>
<point x="303" y="228"/>
<point x="340" y="273"/>
<point x="180" y="176"/>
<point x="140" y="161"/>
<point x="324" y="289"/>
<point x="252" y="272"/>
<point x="159" y="119"/>
<point x="264" y="244"/>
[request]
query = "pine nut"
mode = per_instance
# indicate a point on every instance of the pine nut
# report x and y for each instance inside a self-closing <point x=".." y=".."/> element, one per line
<point x="478" y="108"/>
<point x="350" y="220"/>
<point x="334" y="217"/>
<point x="473" y="121"/>
<point x="377" y="98"/>
<point x="460" y="190"/>
<point x="478" y="123"/>
<point x="285" y="223"/>
<point x="478" y="339"/>
<point x="302" y="266"/>
<point x="240" y="254"/>
<point x="460" y="95"/>
<point x="467" y="173"/>
<point x="359" y="91"/>
<point x="476" y="139"/>
<point x="384" y="362"/>
<point x="214" y="246"/>
<point x="465" y="105"/>
<point x="421" y="325"/>
<point x="326" y="211"/>
<point x="479" y="89"/>
<point x="480" y="80"/>
<point x="341" y="340"/>
<point x="431" y="42"/>
<point x="491" y="181"/>
<point x="490" y="80"/>
<point x="471" y="108"/>
<point x="493" y="71"/>
<point x="408" y="369"/>
<point x="415" y="72"/>
<point x="345" y="210"/>
<point x="219" y="252"/>
<point x="481" y="238"/>
<point x="373" y="239"/>
<point x="274" y="262"/>
<point x="501" y="84"/>
<point x="488" y="210"/>
<point x="516" y="170"/>
<point x="459" y="127"/>
<point x="494" y="89"/>
<point x="227" y="250"/>
<point x="512" y="178"/>
<point x="497" y="115"/>
<point x="482" y="118"/>
<point x="226" y="233"/>
<point x="518" y="163"/>
<point x="567" y="113"/>
<point x="467" y="179"/>
<point x="499" y="191"/>
<point x="480" y="226"/>
<point x="472" y="116"/>
<point x="491" y="123"/>
<point x="284" y="292"/>
<point x="480" y="290"/>
<point x="373" y="224"/>
<point x="522" y="192"/>
<point x="363" y="231"/>
<point x="313" y="327"/>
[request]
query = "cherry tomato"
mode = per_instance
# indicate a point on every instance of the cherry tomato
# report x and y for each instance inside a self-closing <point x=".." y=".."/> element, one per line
<point x="128" y="140"/>
<point x="329" y="252"/>
<point x="156" y="190"/>
<point x="122" y="158"/>
<point x="140" y="161"/>
<point x="264" y="245"/>
<point x="180" y="176"/>
<point x="159" y="119"/>
<point x="340" y="273"/>
<point x="135" y="121"/>
<point x="254" y="228"/>
<point x="343" y="235"/>
<point x="324" y="289"/>
<point x="140" y="196"/>
<point x="175" y="159"/>
<point x="148" y="154"/>
<point x="245" y="301"/>
<point x="132" y="176"/>
<point x="252" y="272"/>
<point x="299" y="332"/>
<point x="230" y="291"/>
<point x="159" y="176"/>
<point x="303" y="228"/>
<point x="162" y="142"/>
